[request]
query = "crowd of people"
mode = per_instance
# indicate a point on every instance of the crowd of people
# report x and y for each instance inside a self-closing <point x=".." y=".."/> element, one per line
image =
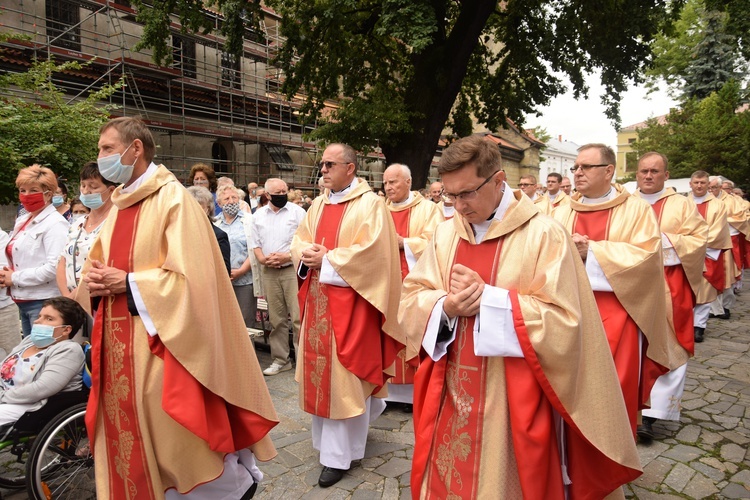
<point x="524" y="327"/>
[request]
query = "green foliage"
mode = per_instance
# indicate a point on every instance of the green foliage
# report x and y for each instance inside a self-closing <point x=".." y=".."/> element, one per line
<point x="710" y="134"/>
<point x="51" y="130"/>
<point x="237" y="16"/>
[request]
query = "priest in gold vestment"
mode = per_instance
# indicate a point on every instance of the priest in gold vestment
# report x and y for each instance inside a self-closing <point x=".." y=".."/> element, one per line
<point x="178" y="403"/>
<point x="618" y="238"/>
<point x="554" y="193"/>
<point x="683" y="238"/>
<point x="516" y="395"/>
<point x="346" y="251"/>
<point x="415" y="219"/>
<point x="527" y="184"/>
<point x="718" y="242"/>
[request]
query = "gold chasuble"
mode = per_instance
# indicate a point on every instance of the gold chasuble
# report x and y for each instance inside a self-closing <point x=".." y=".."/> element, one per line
<point x="349" y="337"/>
<point x="562" y="198"/>
<point x="543" y="204"/>
<point x="164" y="410"/>
<point x="682" y="224"/>
<point x="714" y="275"/>
<point x="737" y="218"/>
<point x="415" y="222"/>
<point x="485" y="427"/>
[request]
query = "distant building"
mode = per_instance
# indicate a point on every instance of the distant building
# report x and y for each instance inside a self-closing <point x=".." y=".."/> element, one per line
<point x="627" y="159"/>
<point x="558" y="156"/>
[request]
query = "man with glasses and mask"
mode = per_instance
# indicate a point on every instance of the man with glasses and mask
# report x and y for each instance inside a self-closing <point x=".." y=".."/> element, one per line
<point x="273" y="228"/>
<point x="346" y="253"/>
<point x="415" y="219"/>
<point x="527" y="184"/>
<point x="516" y="359"/>
<point x="733" y="260"/>
<point x="618" y="238"/>
<point x="162" y="419"/>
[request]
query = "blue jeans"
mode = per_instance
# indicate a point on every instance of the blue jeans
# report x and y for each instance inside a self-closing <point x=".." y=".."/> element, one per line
<point x="29" y="313"/>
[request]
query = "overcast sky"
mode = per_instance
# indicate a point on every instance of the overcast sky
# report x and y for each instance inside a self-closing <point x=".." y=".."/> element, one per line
<point x="584" y="121"/>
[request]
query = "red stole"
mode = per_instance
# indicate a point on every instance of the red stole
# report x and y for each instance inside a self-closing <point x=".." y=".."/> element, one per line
<point x="621" y="330"/>
<point x="401" y="221"/>
<point x="113" y="379"/>
<point x="683" y="299"/>
<point x="455" y="410"/>
<point x="715" y="272"/>
<point x="341" y="315"/>
<point x="737" y="254"/>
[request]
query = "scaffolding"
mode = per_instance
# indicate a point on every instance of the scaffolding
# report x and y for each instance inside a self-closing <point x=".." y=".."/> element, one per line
<point x="206" y="106"/>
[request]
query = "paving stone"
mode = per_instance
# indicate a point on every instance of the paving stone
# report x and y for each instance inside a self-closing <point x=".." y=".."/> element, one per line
<point x="734" y="490"/>
<point x="732" y="452"/>
<point x="654" y="474"/>
<point x="689" y="434"/>
<point x="700" y="487"/>
<point x="390" y="489"/>
<point x="679" y="476"/>
<point x="376" y="449"/>
<point x="394" y="467"/>
<point x="716" y="475"/>
<point x="742" y="477"/>
<point x="683" y="453"/>
<point x="366" y="495"/>
<point x="648" y="453"/>
<point x="736" y="437"/>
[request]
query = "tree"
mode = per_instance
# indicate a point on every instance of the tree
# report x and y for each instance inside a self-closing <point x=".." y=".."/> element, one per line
<point x="52" y="131"/>
<point x="396" y="67"/>
<point x="712" y="134"/>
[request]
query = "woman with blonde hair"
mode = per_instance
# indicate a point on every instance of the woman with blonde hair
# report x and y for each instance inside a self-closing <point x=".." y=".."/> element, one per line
<point x="35" y="245"/>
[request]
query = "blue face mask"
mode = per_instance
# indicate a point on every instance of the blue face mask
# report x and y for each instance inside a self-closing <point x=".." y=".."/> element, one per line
<point x="113" y="170"/>
<point x="92" y="201"/>
<point x="43" y="335"/>
<point x="57" y="200"/>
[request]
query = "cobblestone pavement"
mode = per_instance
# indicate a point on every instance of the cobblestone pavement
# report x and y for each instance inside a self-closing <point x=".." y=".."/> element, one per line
<point x="703" y="456"/>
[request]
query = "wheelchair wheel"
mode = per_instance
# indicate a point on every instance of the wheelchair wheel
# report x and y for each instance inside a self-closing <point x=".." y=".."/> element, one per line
<point x="60" y="464"/>
<point x="14" y="452"/>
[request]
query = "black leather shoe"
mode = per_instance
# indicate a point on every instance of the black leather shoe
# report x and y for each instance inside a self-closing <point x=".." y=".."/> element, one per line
<point x="699" y="334"/>
<point x="726" y="314"/>
<point x="646" y="431"/>
<point x="250" y="493"/>
<point x="330" y="476"/>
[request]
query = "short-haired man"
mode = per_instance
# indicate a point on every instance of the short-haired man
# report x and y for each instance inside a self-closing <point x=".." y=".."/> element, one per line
<point x="565" y="185"/>
<point x="273" y="227"/>
<point x="554" y="194"/>
<point x="436" y="192"/>
<point x="503" y="269"/>
<point x="415" y="219"/>
<point x="683" y="240"/>
<point x="166" y="319"/>
<point x="738" y="231"/>
<point x="527" y="184"/>
<point x="618" y="239"/>
<point x="252" y="198"/>
<point x="347" y="255"/>
<point x="718" y="242"/>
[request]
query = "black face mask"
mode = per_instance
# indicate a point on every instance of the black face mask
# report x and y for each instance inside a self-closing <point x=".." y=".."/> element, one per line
<point x="279" y="200"/>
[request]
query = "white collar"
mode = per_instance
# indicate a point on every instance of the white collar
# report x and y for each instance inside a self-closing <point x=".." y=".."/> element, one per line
<point x="653" y="197"/>
<point x="553" y="197"/>
<point x="140" y="180"/>
<point x="405" y="202"/>
<point x="700" y="199"/>
<point x="481" y="228"/>
<point x="593" y="201"/>
<point x="336" y="197"/>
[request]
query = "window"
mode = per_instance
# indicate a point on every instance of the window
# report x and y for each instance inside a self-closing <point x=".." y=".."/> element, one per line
<point x="183" y="55"/>
<point x="63" y="30"/>
<point x="230" y="70"/>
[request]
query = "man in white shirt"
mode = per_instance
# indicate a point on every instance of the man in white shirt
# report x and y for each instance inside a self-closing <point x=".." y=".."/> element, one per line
<point x="273" y="228"/>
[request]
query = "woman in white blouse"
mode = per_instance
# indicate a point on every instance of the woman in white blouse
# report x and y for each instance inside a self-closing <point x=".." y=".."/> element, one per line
<point x="96" y="194"/>
<point x="35" y="245"/>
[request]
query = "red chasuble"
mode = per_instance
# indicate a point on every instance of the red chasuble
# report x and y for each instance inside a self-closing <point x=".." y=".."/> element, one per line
<point x="683" y="298"/>
<point x="715" y="273"/>
<point x="636" y="372"/>
<point x="339" y="314"/>
<point x="736" y="253"/>
<point x="401" y="221"/>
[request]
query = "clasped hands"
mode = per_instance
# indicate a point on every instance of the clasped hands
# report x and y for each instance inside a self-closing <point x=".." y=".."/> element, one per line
<point x="582" y="245"/>
<point x="465" y="294"/>
<point x="104" y="280"/>
<point x="312" y="256"/>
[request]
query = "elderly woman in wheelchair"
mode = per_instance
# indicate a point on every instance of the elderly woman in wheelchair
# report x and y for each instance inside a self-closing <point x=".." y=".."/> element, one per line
<point x="45" y="363"/>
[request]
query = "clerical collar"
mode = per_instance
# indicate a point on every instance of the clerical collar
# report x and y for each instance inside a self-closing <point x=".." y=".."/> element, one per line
<point x="405" y="202"/>
<point x="653" y="197"/>
<point x="336" y="197"/>
<point x="593" y="201"/>
<point x="143" y="178"/>
<point x="700" y="199"/>
<point x="448" y="211"/>
<point x="553" y="197"/>
<point x="481" y="228"/>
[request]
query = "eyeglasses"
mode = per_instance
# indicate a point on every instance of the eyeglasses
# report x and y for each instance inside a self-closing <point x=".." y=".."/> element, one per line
<point x="468" y="195"/>
<point x="586" y="168"/>
<point x="525" y="185"/>
<point x="329" y="164"/>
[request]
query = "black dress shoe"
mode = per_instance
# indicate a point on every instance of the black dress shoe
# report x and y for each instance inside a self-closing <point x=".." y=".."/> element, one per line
<point x="646" y="431"/>
<point x="699" y="334"/>
<point x="330" y="476"/>
<point x="250" y="493"/>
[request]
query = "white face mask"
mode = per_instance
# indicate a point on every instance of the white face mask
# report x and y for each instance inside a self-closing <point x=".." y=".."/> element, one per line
<point x="112" y="169"/>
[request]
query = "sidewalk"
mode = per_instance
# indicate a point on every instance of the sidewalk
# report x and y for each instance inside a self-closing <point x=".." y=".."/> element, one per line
<point x="705" y="455"/>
